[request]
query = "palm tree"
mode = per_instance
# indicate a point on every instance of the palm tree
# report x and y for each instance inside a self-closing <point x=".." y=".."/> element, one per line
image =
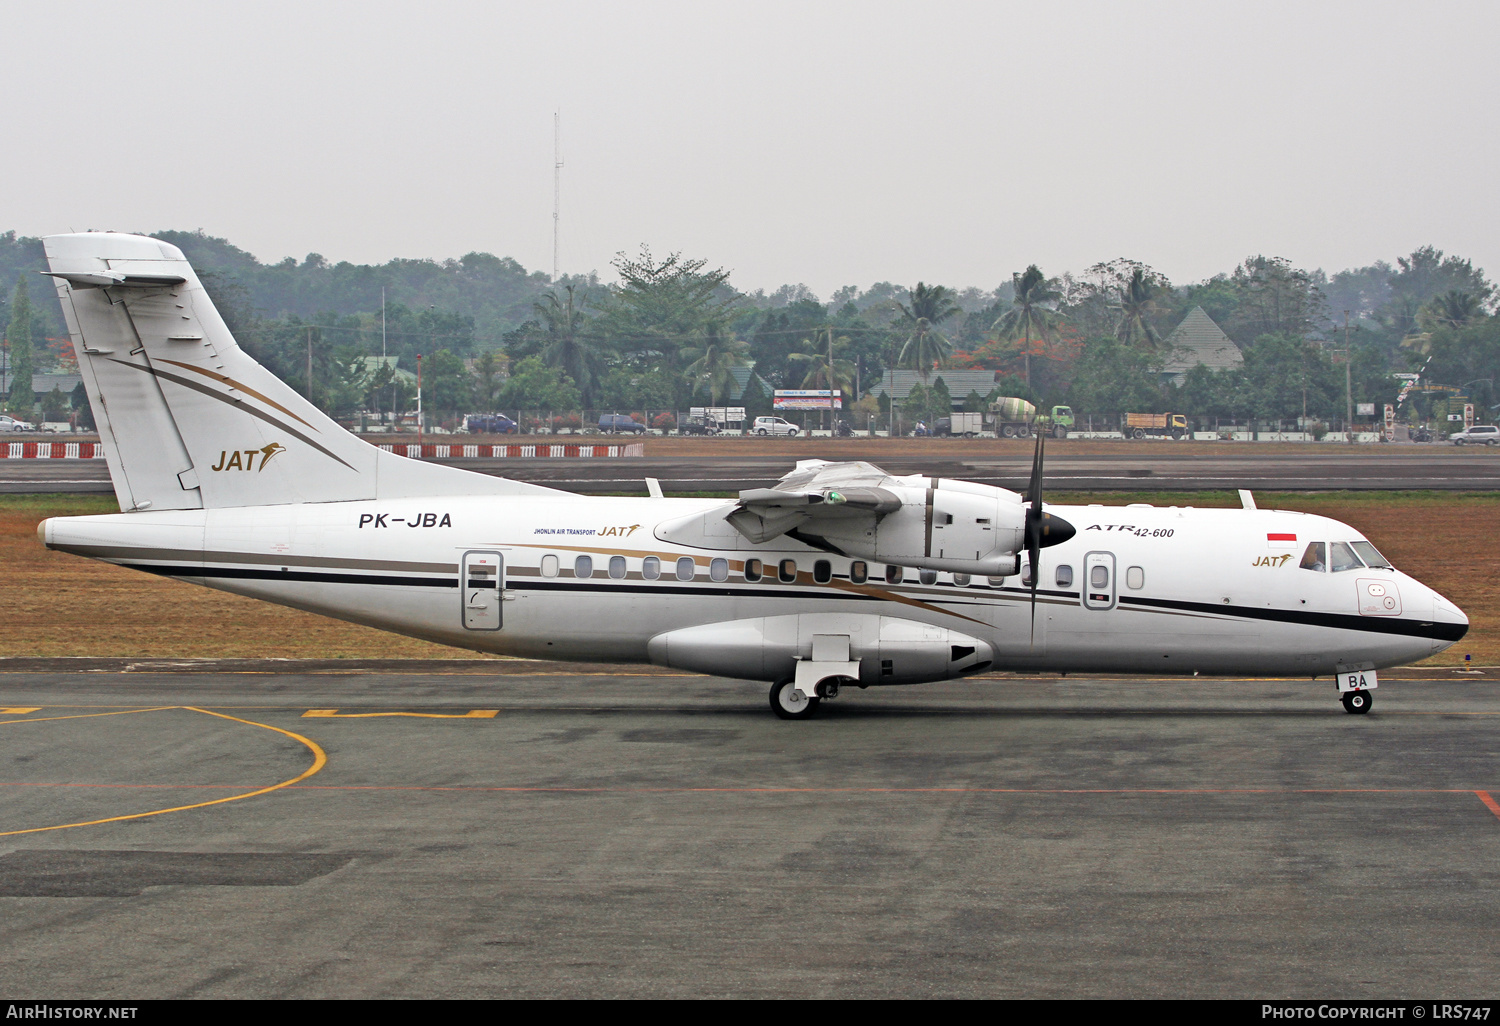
<point x="1138" y="295"/>
<point x="569" y="344"/>
<point x="1030" y="317"/>
<point x="712" y="364"/>
<point x="824" y="368"/>
<point x="925" y="345"/>
<point x="1452" y="309"/>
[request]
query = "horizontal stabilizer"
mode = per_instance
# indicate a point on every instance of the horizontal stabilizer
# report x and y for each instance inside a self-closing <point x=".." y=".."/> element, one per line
<point x="107" y="279"/>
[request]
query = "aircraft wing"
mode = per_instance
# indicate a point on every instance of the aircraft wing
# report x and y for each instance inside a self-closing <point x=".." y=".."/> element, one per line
<point x="815" y="491"/>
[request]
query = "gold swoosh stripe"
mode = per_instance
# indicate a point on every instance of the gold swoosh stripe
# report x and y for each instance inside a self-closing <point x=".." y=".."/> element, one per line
<point x="235" y="384"/>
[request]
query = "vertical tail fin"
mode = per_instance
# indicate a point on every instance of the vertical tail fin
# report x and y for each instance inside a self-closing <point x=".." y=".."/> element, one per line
<point x="186" y="417"/>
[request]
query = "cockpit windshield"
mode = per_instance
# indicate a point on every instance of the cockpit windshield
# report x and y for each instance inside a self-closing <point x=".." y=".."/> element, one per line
<point x="1371" y="555"/>
<point x="1335" y="557"/>
<point x="1341" y="557"/>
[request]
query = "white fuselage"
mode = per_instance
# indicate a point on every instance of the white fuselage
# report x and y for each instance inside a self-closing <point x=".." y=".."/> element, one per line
<point x="1137" y="589"/>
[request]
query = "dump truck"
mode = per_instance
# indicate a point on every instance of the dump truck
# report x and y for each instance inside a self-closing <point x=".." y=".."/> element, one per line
<point x="1158" y="425"/>
<point x="1016" y="418"/>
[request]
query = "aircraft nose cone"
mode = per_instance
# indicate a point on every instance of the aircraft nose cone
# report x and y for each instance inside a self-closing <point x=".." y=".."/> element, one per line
<point x="1056" y="530"/>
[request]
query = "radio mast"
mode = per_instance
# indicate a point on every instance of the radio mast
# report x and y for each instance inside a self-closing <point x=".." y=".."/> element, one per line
<point x="557" y="163"/>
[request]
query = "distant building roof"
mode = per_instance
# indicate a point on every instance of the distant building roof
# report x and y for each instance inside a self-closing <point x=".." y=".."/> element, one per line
<point x="898" y="383"/>
<point x="1199" y="340"/>
<point x="372" y="364"/>
<point x="742" y="377"/>
<point x="41" y="384"/>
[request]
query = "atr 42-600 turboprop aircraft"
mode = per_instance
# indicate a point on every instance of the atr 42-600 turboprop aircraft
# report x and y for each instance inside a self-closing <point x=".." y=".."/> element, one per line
<point x="840" y="574"/>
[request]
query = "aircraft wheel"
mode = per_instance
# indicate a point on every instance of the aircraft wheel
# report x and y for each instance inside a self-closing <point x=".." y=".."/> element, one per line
<point x="790" y="704"/>
<point x="1356" y="701"/>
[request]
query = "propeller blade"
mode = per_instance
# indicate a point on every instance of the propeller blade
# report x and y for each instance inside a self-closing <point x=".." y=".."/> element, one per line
<point x="1042" y="528"/>
<point x="1034" y="526"/>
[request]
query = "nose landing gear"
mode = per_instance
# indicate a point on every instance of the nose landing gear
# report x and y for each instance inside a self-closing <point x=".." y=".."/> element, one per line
<point x="1356" y="701"/>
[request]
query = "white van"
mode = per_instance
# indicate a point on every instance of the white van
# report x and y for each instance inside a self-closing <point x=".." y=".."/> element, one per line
<point x="775" y="426"/>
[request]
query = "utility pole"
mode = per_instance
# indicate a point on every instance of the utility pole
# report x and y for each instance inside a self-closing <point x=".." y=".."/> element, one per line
<point x="309" y="363"/>
<point x="1348" y="383"/>
<point x="832" y="418"/>
<point x="557" y="163"/>
<point x="382" y="322"/>
<point x="419" y="403"/>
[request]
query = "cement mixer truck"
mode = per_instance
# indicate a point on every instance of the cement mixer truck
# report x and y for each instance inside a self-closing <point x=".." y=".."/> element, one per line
<point x="1017" y="418"/>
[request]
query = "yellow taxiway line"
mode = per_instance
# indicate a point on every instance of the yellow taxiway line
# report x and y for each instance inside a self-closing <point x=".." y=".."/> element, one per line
<point x="320" y="759"/>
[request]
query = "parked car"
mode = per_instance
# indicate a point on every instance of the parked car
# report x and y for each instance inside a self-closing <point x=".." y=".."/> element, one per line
<point x="1479" y="434"/>
<point x="699" y="426"/>
<point x="775" y="426"/>
<point x="614" y="423"/>
<point x="11" y="424"/>
<point x="489" y="424"/>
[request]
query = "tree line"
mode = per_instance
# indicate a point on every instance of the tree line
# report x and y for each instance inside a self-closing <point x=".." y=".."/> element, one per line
<point x="669" y="332"/>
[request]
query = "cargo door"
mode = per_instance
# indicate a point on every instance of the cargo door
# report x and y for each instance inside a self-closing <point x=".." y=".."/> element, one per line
<point x="481" y="581"/>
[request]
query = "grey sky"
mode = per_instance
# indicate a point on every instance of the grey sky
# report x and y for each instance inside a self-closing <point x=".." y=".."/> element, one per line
<point x="826" y="143"/>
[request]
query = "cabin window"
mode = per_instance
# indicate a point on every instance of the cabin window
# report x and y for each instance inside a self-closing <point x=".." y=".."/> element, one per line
<point x="650" y="568"/>
<point x="962" y="580"/>
<point x="996" y="582"/>
<point x="718" y="569"/>
<point x="787" y="571"/>
<point x="1135" y="578"/>
<point x="927" y="576"/>
<point x="1025" y="575"/>
<point x="1371" y="555"/>
<point x="859" y="571"/>
<point x="1099" y="576"/>
<point x="752" y="570"/>
<point x="1315" y="557"/>
<point x="549" y="566"/>
<point x="1064" y="577"/>
<point x="894" y="574"/>
<point x="822" y="571"/>
<point x="617" y="568"/>
<point x="686" y="568"/>
<point x="583" y="566"/>
<point x="1341" y="557"/>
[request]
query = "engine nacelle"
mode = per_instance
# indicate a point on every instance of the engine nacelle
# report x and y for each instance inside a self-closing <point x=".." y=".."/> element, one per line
<point x="887" y="649"/>
<point x="956" y="526"/>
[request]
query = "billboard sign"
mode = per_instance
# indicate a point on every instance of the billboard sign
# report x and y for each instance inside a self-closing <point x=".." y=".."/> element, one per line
<point x="1390" y="422"/>
<point x="1468" y="416"/>
<point x="807" y="399"/>
<point x="1364" y="409"/>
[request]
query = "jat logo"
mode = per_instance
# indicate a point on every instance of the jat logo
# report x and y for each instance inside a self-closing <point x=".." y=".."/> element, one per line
<point x="229" y="459"/>
<point x="623" y="532"/>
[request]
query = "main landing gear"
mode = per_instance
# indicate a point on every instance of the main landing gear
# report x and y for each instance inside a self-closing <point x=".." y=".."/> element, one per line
<point x="1356" y="701"/>
<point x="790" y="704"/>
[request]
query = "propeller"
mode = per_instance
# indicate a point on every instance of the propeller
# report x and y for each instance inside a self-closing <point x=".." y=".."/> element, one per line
<point x="1042" y="528"/>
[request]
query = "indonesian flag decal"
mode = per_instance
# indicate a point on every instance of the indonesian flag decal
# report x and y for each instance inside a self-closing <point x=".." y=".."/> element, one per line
<point x="1281" y="541"/>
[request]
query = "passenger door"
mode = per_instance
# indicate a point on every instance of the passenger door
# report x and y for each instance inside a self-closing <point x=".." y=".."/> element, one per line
<point x="1099" y="580"/>
<point x="481" y="582"/>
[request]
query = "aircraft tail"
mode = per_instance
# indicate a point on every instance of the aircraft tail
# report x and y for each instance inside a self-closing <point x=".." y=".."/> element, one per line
<point x="187" y="418"/>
